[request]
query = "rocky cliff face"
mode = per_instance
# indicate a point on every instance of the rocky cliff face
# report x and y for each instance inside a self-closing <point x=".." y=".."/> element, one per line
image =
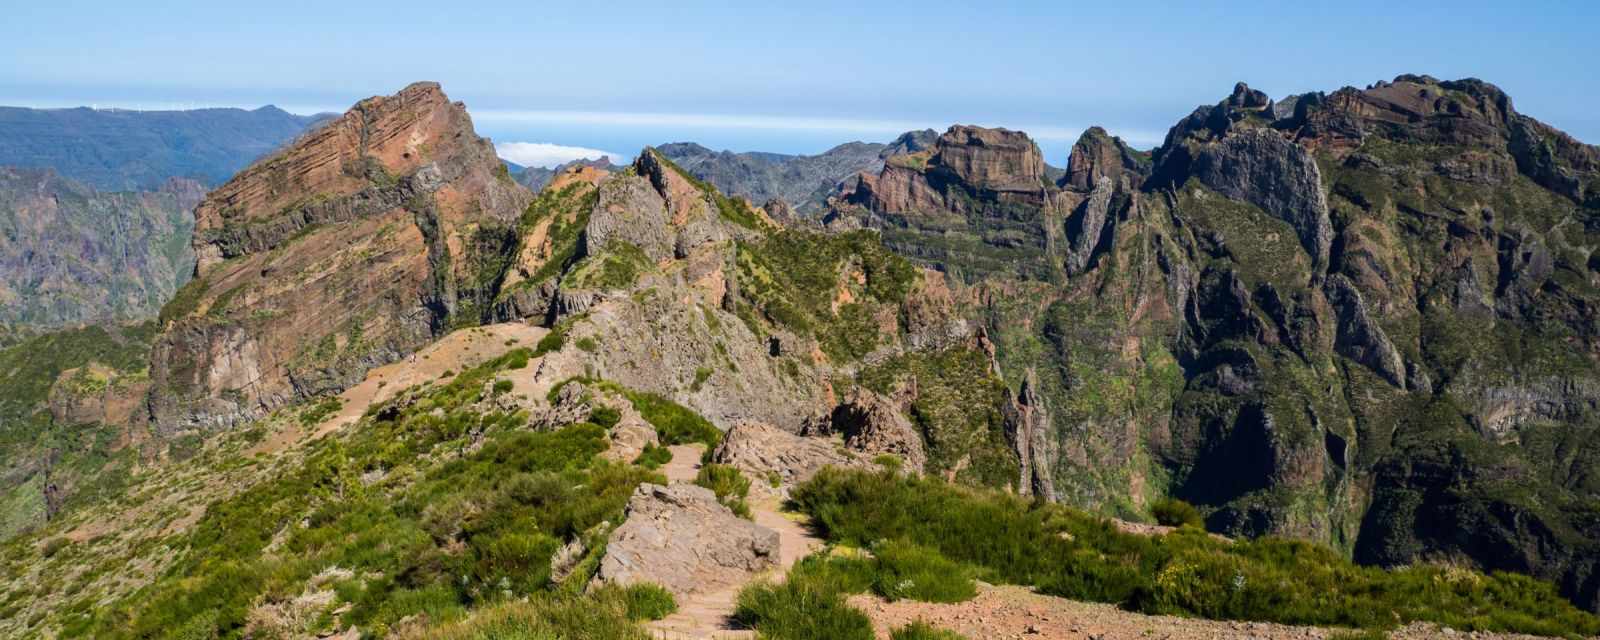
<point x="1363" y="317"/>
<point x="70" y="253"/>
<point x="351" y="248"/>
<point x="1280" y="316"/>
<point x="974" y="204"/>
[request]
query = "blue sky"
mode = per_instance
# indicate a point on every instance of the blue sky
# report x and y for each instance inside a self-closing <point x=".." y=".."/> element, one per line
<point x="795" y="77"/>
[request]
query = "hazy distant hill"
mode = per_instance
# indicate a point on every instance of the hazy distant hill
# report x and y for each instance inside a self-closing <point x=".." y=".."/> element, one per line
<point x="117" y="150"/>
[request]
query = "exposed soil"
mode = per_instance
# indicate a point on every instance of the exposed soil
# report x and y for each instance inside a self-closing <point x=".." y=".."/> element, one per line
<point x="1012" y="612"/>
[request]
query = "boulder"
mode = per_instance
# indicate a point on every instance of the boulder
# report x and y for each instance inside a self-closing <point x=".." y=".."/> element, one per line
<point x="681" y="538"/>
<point x="873" y="426"/>
<point x="762" y="451"/>
<point x="629" y="437"/>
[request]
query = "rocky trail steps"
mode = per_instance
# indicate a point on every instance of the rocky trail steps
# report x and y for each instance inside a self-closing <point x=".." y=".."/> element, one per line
<point x="710" y="614"/>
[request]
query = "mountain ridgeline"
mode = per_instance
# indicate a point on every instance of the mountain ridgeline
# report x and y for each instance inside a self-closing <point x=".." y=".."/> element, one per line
<point x="1363" y="319"/>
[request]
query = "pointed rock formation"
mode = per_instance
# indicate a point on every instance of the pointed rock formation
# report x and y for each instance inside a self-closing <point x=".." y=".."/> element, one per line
<point x="1097" y="155"/>
<point x="1028" y="425"/>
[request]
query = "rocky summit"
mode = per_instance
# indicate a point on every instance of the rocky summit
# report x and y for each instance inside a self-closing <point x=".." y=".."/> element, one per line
<point x="1324" y="361"/>
<point x="351" y="248"/>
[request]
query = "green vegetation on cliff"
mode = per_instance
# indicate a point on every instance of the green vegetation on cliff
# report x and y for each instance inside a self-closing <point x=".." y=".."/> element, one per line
<point x="957" y="409"/>
<point x="78" y="459"/>
<point x="827" y="286"/>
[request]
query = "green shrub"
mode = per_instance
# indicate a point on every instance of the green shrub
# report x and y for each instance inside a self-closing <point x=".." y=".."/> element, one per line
<point x="502" y="387"/>
<point x="1173" y="512"/>
<point x="730" y="486"/>
<point x="810" y="605"/>
<point x="588" y="344"/>
<point x="653" y="457"/>
<point x="603" y="614"/>
<point x="1067" y="553"/>
<point x="649" y="602"/>
<point x="888" y="461"/>
<point x="551" y="342"/>
<point x="515" y="359"/>
<point x="1366" y="634"/>
<point x="912" y="572"/>
<point x="674" y="423"/>
<point x="605" y="416"/>
<point x="316" y="413"/>
<point x="920" y="630"/>
<point x="53" y="546"/>
<point x="517" y="562"/>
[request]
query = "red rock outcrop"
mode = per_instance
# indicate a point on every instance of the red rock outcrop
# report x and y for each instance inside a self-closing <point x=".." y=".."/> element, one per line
<point x="993" y="159"/>
<point x="354" y="246"/>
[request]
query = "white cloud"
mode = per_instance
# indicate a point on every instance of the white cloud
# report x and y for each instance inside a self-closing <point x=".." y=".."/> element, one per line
<point x="549" y="156"/>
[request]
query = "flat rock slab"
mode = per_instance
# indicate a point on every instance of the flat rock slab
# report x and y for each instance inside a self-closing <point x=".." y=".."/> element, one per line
<point x="762" y="450"/>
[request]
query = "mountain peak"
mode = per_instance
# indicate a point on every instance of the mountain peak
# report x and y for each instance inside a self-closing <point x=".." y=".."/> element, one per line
<point x="399" y="190"/>
<point x="998" y="159"/>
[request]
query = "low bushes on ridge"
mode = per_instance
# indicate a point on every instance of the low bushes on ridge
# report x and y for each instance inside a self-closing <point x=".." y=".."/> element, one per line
<point x="1067" y="553"/>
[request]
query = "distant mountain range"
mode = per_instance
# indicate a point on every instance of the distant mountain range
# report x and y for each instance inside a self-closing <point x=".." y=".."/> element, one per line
<point x="802" y="181"/>
<point x="118" y="150"/>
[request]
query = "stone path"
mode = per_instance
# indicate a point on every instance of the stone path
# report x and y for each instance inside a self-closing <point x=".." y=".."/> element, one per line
<point x="710" y="615"/>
